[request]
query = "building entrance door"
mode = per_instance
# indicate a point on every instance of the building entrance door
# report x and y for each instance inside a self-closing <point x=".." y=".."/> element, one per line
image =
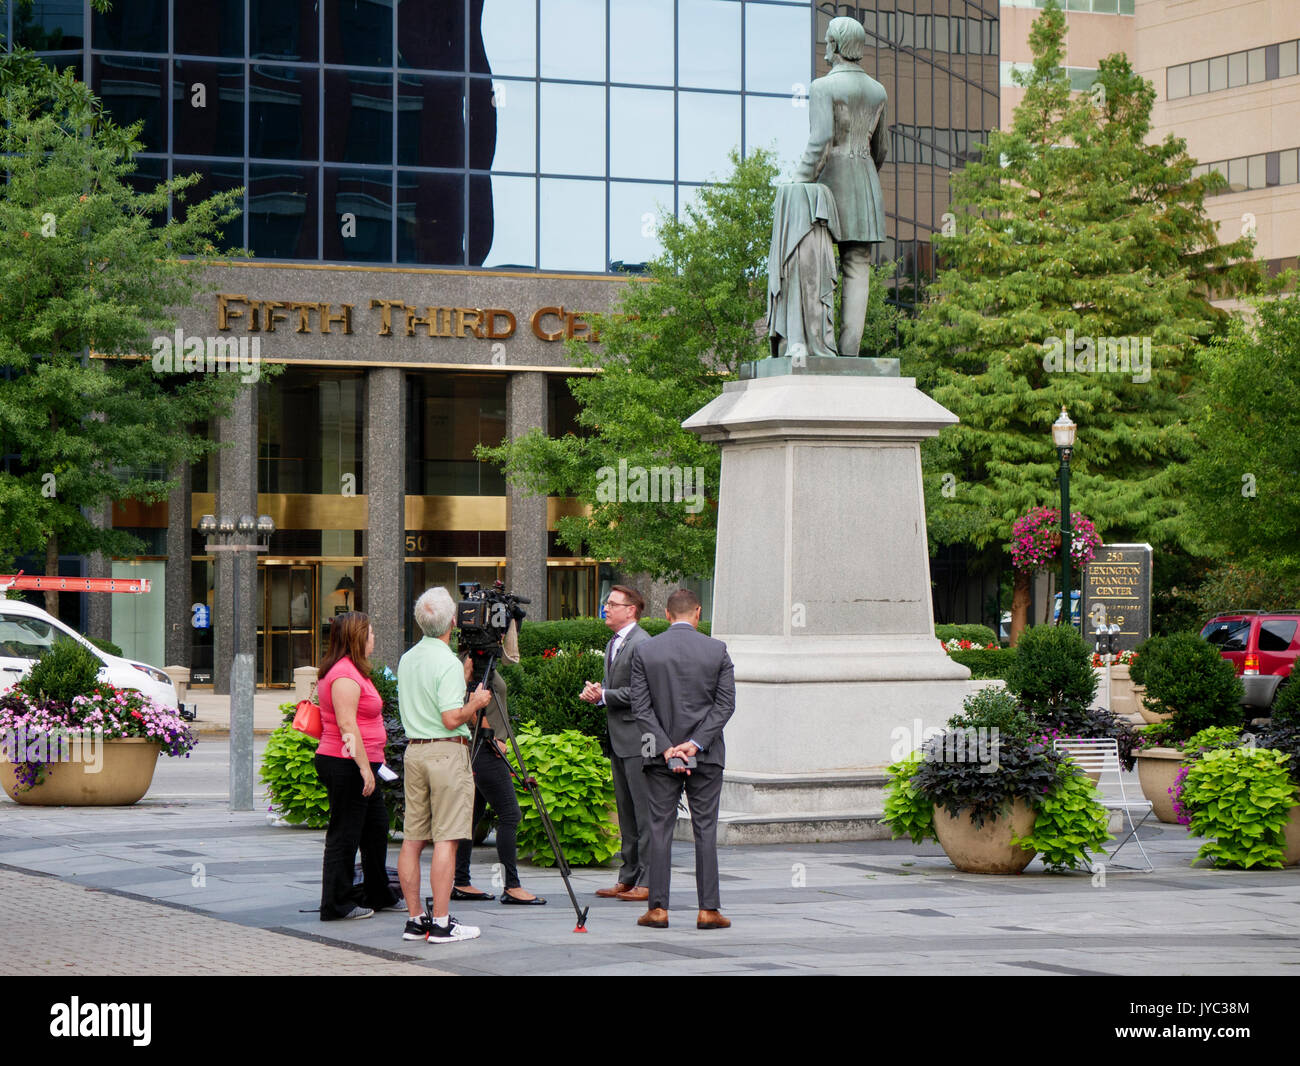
<point x="286" y="633"/>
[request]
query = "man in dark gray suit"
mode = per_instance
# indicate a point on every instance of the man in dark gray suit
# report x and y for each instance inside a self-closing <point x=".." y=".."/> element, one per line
<point x="683" y="692"/>
<point x="623" y="610"/>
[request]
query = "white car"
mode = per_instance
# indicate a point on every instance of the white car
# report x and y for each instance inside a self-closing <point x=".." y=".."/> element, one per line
<point x="26" y="632"/>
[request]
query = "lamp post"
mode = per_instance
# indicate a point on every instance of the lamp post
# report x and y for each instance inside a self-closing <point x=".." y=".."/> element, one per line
<point x="1063" y="436"/>
<point x="241" y="537"/>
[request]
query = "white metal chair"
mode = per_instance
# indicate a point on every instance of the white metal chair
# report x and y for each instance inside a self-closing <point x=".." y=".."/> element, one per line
<point x="1099" y="758"/>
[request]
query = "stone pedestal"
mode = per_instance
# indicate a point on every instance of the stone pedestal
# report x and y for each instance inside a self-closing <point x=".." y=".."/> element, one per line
<point x="822" y="594"/>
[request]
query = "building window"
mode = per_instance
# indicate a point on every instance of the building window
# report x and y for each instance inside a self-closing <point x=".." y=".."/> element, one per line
<point x="1231" y="71"/>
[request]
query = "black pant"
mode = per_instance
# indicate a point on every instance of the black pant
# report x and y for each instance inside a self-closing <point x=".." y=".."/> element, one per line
<point x="355" y="821"/>
<point x="492" y="785"/>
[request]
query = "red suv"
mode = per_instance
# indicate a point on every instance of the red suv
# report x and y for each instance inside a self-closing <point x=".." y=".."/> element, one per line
<point x="1262" y="645"/>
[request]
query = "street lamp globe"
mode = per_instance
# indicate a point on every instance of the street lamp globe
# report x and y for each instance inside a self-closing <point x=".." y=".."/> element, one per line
<point x="1063" y="431"/>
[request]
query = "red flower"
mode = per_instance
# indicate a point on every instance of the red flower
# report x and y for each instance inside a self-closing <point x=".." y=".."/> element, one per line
<point x="137" y="714"/>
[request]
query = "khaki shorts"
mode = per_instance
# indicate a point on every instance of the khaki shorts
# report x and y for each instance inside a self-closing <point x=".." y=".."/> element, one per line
<point x="439" y="792"/>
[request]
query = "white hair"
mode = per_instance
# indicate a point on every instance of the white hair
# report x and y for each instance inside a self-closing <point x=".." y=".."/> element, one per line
<point x="435" y="612"/>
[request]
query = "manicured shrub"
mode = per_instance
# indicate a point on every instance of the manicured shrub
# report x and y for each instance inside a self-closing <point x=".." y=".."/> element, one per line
<point x="1185" y="676"/>
<point x="108" y="646"/>
<point x="544" y="689"/>
<point x="1051" y="674"/>
<point x="976" y="634"/>
<point x="986" y="664"/>
<point x="1286" y="704"/>
<point x="577" y="787"/>
<point x="67" y="669"/>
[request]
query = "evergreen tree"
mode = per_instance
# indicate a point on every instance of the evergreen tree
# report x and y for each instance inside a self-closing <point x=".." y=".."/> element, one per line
<point x="1069" y="231"/>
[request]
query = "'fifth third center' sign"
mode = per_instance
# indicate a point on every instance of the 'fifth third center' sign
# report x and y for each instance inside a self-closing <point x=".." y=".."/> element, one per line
<point x="1117" y="590"/>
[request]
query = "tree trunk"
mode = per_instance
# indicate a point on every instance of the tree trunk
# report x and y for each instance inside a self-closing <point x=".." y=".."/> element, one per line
<point x="1020" y="589"/>
<point x="52" y="569"/>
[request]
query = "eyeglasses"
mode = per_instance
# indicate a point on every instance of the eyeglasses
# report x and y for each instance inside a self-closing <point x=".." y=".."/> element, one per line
<point x="615" y="603"/>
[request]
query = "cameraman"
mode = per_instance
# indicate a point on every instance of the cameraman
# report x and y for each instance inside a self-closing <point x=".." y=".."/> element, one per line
<point x="492" y="785"/>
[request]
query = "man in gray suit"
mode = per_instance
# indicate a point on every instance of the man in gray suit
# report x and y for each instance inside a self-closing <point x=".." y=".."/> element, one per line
<point x="846" y="147"/>
<point x="683" y="692"/>
<point x="623" y="610"/>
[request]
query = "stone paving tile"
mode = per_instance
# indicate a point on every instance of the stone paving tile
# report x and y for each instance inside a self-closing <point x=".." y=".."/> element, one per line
<point x="116" y="936"/>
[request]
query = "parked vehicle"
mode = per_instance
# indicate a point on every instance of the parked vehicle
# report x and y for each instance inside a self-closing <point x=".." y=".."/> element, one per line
<point x="1074" y="608"/>
<point x="1262" y="645"/>
<point x="26" y="632"/>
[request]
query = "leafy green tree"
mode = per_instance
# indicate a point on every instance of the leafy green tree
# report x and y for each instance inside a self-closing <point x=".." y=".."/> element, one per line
<point x="1239" y="488"/>
<point x="1070" y="226"/>
<point x="87" y="274"/>
<point x="674" y="339"/>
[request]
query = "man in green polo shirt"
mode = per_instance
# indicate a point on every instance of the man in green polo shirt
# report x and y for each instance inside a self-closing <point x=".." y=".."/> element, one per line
<point x="439" y="784"/>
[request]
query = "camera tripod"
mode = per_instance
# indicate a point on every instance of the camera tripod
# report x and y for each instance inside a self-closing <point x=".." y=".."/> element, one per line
<point x="525" y="778"/>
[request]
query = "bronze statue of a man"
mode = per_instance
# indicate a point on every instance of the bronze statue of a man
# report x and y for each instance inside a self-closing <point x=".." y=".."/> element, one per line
<point x="846" y="145"/>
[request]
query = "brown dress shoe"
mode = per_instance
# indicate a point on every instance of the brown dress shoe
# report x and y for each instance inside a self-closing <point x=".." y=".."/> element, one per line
<point x="612" y="893"/>
<point x="635" y="895"/>
<point x="655" y="918"/>
<point x="712" y="920"/>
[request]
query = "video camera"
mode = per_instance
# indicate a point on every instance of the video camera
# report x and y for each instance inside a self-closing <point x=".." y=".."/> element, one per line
<point x="482" y="618"/>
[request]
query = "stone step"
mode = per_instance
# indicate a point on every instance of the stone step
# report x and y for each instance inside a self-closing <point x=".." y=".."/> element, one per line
<point x="845" y="790"/>
<point x="809" y="827"/>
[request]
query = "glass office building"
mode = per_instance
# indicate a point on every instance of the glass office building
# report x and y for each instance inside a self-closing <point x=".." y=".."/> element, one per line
<point x="436" y="191"/>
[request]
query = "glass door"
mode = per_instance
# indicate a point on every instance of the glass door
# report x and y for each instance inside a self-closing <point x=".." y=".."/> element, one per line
<point x="287" y="637"/>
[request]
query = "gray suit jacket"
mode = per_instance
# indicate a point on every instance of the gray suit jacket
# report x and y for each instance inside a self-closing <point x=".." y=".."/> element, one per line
<point x="684" y="688"/>
<point x="624" y="732"/>
<point x="846" y="147"/>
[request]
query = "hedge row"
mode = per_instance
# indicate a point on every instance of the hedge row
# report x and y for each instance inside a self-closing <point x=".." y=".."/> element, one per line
<point x="976" y="634"/>
<point x="991" y="663"/>
<point x="537" y="637"/>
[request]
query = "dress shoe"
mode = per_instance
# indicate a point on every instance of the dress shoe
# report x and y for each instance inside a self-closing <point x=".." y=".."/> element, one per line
<point x="635" y="895"/>
<point x="712" y="920"/>
<point x="612" y="893"/>
<point x="655" y="918"/>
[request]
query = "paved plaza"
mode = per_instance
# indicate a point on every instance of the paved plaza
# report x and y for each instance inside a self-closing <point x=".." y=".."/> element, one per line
<point x="221" y="892"/>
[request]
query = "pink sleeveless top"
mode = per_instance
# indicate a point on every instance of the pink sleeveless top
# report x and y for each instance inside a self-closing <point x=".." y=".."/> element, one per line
<point x="370" y="714"/>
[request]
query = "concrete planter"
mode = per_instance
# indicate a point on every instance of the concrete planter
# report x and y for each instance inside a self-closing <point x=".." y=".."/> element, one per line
<point x="1291" y="839"/>
<point x="1157" y="769"/>
<point x="1124" y="698"/>
<point x="986" y="850"/>
<point x="123" y="777"/>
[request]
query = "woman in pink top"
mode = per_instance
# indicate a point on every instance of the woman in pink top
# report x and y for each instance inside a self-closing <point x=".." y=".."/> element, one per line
<point x="350" y="752"/>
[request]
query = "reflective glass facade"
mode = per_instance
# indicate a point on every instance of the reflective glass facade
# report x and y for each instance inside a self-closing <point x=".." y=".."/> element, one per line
<point x="938" y="60"/>
<point x="525" y="134"/>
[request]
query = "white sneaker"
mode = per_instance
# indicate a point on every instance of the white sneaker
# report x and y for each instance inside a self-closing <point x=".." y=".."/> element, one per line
<point x="451" y="932"/>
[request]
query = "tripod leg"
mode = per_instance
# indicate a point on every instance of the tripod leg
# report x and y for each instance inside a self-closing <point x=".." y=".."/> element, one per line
<point x="531" y="785"/>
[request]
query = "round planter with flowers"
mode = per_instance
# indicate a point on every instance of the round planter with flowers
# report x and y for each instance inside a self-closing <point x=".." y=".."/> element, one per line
<point x="96" y="750"/>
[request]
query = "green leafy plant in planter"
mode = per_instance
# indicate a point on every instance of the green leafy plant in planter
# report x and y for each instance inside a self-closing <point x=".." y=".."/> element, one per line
<point x="1186" y="678"/>
<point x="1069" y="821"/>
<point x="577" y="786"/>
<point x="289" y="770"/>
<point x="1241" y="799"/>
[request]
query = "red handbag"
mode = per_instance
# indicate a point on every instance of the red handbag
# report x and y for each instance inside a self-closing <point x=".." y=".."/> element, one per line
<point x="306" y="718"/>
